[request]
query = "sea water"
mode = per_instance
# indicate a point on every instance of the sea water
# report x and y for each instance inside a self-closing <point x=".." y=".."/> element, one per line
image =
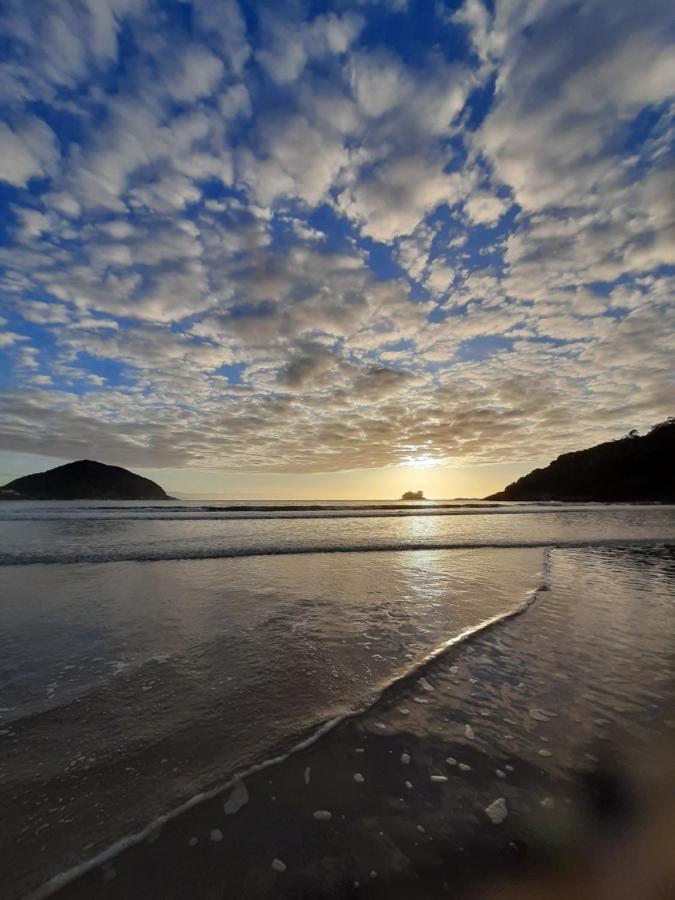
<point x="149" y="652"/>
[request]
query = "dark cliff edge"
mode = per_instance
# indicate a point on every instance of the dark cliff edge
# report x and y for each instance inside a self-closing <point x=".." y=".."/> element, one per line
<point x="632" y="469"/>
<point x="83" y="480"/>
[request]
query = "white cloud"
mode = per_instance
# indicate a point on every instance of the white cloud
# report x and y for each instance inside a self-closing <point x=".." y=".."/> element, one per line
<point x="485" y="208"/>
<point x="29" y="150"/>
<point x="289" y="45"/>
<point x="193" y="73"/>
<point x="224" y="19"/>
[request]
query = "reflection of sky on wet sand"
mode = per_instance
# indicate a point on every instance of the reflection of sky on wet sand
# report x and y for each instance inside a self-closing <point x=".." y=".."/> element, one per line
<point x="597" y="653"/>
<point x="201" y="664"/>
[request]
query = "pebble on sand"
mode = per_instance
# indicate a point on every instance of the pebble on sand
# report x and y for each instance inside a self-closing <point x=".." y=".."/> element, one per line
<point x="548" y="802"/>
<point x="278" y="865"/>
<point x="424" y="684"/>
<point x="237" y="799"/>
<point x="451" y="761"/>
<point x="406" y="759"/>
<point x="469" y="732"/>
<point x="216" y="835"/>
<point x="193" y="842"/>
<point x="500" y="774"/>
<point x="497" y="811"/>
<point x="464" y="767"/>
<point x="308" y="774"/>
<point x="408" y="784"/>
<point x="545" y="753"/>
<point x="404" y="710"/>
<point x="542" y="715"/>
<point x="358" y="778"/>
<point x="322" y="815"/>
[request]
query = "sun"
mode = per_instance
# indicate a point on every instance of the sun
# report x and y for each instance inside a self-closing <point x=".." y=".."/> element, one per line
<point x="420" y="462"/>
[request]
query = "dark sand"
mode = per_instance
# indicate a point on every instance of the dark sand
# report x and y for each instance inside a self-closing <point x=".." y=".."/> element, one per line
<point x="528" y="705"/>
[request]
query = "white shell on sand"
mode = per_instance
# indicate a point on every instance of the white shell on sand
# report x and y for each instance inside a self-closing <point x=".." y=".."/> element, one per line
<point x="497" y="811"/>
<point x="451" y="761"/>
<point x="439" y="779"/>
<point x="216" y="835"/>
<point x="548" y="802"/>
<point x="408" y="784"/>
<point x="464" y="767"/>
<point x="469" y="732"/>
<point x="500" y="774"/>
<point x="278" y="865"/>
<point x="322" y="815"/>
<point x="542" y="715"/>
<point x="405" y="759"/>
<point x="404" y="710"/>
<point x="358" y="778"/>
<point x="545" y="753"/>
<point x="424" y="684"/>
<point x="237" y="799"/>
<point x="420" y="700"/>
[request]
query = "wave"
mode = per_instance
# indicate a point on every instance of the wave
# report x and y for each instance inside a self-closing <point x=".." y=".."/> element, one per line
<point x="284" y="507"/>
<point x="234" y="513"/>
<point x="62" y="879"/>
<point x="124" y="554"/>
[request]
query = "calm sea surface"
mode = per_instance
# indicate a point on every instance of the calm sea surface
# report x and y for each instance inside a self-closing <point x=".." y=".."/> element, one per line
<point x="148" y="652"/>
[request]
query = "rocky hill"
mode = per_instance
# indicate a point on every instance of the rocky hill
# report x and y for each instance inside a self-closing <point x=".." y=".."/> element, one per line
<point x="633" y="469"/>
<point x="83" y="480"/>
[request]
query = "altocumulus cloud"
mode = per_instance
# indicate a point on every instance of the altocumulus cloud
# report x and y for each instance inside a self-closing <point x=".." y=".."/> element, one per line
<point x="253" y="237"/>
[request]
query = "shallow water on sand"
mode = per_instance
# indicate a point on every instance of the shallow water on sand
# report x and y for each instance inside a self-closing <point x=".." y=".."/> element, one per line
<point x="130" y="686"/>
<point x="127" y="687"/>
<point x="473" y="761"/>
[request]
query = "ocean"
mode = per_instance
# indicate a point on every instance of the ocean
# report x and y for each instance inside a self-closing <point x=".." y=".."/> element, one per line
<point x="149" y="653"/>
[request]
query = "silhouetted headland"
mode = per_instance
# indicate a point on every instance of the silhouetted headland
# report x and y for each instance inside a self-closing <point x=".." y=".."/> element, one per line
<point x="413" y="495"/>
<point x="631" y="469"/>
<point x="83" y="480"/>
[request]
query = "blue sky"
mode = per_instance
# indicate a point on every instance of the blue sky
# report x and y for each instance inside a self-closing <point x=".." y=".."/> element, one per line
<point x="251" y="243"/>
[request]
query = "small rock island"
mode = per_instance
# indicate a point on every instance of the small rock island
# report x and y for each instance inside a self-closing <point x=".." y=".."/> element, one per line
<point x="413" y="495"/>
<point x="83" y="480"/>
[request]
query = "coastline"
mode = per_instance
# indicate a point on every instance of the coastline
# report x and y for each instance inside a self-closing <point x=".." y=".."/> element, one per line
<point x="520" y="704"/>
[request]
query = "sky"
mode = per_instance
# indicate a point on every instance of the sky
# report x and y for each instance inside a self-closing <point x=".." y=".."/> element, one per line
<point x="303" y="249"/>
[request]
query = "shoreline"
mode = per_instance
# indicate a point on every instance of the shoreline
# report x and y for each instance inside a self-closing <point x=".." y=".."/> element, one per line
<point x="280" y="756"/>
<point x="415" y="836"/>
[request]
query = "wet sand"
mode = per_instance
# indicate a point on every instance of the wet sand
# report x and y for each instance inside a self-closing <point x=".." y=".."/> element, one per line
<point x="456" y="774"/>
